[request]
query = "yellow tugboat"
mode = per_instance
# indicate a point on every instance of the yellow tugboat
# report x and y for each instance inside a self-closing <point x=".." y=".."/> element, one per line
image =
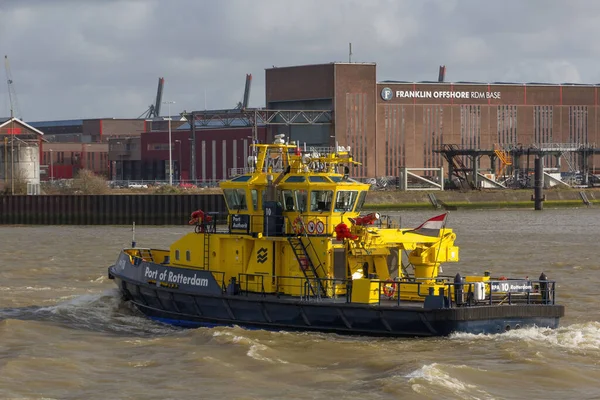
<point x="294" y="253"/>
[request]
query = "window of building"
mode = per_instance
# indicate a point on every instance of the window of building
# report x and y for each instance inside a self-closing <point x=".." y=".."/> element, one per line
<point x="507" y="125"/>
<point x="470" y="128"/>
<point x="157" y="146"/>
<point x="578" y="129"/>
<point x="542" y="132"/>
<point x="433" y="128"/>
<point x="395" y="133"/>
<point x="578" y="124"/>
<point x="542" y="125"/>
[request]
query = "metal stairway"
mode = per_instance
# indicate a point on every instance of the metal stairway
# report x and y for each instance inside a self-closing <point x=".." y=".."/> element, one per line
<point x="308" y="268"/>
<point x="457" y="165"/>
<point x="505" y="159"/>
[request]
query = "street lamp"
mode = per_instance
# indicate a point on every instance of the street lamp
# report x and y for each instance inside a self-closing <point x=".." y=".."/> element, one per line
<point x="51" y="165"/>
<point x="179" y="158"/>
<point x="170" y="143"/>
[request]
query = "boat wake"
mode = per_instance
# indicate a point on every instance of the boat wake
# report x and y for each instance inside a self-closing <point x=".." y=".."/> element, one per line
<point x="433" y="379"/>
<point x="576" y="337"/>
<point x="104" y="312"/>
<point x="256" y="349"/>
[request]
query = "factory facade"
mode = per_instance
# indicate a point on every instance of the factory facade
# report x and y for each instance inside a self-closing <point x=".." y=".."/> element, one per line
<point x="388" y="125"/>
<point x="395" y="124"/>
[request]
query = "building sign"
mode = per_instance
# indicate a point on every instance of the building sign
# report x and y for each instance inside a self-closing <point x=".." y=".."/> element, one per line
<point x="388" y="94"/>
<point x="11" y="131"/>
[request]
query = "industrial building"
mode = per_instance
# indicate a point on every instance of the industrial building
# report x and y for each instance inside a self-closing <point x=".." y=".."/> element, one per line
<point x="19" y="157"/>
<point x="390" y="125"/>
<point x="221" y="151"/>
<point x="394" y="124"/>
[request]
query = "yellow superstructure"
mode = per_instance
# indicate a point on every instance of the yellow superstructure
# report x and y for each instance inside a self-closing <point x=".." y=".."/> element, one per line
<point x="284" y="233"/>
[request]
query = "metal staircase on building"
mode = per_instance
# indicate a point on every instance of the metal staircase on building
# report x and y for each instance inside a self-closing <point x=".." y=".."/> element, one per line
<point x="457" y="165"/>
<point x="308" y="268"/>
<point x="505" y="159"/>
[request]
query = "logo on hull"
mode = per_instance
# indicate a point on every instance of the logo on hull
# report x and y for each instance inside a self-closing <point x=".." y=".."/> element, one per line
<point x="262" y="255"/>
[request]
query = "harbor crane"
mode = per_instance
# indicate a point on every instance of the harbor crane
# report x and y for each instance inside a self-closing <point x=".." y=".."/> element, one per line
<point x="12" y="94"/>
<point x="154" y="110"/>
<point x="242" y="105"/>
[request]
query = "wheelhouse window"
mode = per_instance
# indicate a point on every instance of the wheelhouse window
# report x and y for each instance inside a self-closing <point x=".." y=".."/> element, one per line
<point x="295" y="179"/>
<point x="361" y="201"/>
<point x="319" y="179"/>
<point x="345" y="200"/>
<point x="236" y="199"/>
<point x="287" y="200"/>
<point x="301" y="198"/>
<point x="254" y="195"/>
<point x="320" y="200"/>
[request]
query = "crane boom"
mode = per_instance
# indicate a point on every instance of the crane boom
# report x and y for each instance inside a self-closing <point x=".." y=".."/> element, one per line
<point x="12" y="94"/>
<point x="159" y="91"/>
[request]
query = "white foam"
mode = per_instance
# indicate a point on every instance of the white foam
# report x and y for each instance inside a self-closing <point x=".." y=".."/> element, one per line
<point x="434" y="375"/>
<point x="255" y="347"/>
<point x="584" y="336"/>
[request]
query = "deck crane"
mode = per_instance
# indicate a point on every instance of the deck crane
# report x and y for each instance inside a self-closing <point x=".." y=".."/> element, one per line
<point x="12" y="94"/>
<point x="154" y="110"/>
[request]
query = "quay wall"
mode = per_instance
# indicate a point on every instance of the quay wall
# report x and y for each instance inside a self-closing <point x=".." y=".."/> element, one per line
<point x="143" y="209"/>
<point x="175" y="209"/>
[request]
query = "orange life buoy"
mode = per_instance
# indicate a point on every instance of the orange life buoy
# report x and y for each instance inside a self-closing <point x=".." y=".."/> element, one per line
<point x="298" y="225"/>
<point x="389" y="288"/>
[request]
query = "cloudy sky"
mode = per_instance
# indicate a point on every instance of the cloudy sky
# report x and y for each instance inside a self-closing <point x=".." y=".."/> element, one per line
<point x="102" y="58"/>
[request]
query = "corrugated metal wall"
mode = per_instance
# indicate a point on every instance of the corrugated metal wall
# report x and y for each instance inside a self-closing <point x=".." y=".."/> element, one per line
<point x="106" y="209"/>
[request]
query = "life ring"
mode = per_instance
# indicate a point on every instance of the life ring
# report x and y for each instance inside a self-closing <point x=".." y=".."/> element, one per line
<point x="298" y="225"/>
<point x="389" y="288"/>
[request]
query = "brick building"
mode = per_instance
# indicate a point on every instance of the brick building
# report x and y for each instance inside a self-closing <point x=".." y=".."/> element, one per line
<point x="393" y="124"/>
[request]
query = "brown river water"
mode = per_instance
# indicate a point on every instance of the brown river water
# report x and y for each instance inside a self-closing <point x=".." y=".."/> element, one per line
<point x="65" y="333"/>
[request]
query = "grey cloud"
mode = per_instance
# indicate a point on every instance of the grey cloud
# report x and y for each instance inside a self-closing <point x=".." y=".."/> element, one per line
<point x="87" y="59"/>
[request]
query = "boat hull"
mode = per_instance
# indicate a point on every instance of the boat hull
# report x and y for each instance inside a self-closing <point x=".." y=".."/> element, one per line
<point x="189" y="309"/>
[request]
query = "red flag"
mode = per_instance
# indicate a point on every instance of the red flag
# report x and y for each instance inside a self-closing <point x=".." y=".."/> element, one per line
<point x="432" y="226"/>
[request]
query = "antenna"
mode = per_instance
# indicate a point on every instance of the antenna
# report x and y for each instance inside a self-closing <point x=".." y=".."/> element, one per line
<point x="349" y="52"/>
